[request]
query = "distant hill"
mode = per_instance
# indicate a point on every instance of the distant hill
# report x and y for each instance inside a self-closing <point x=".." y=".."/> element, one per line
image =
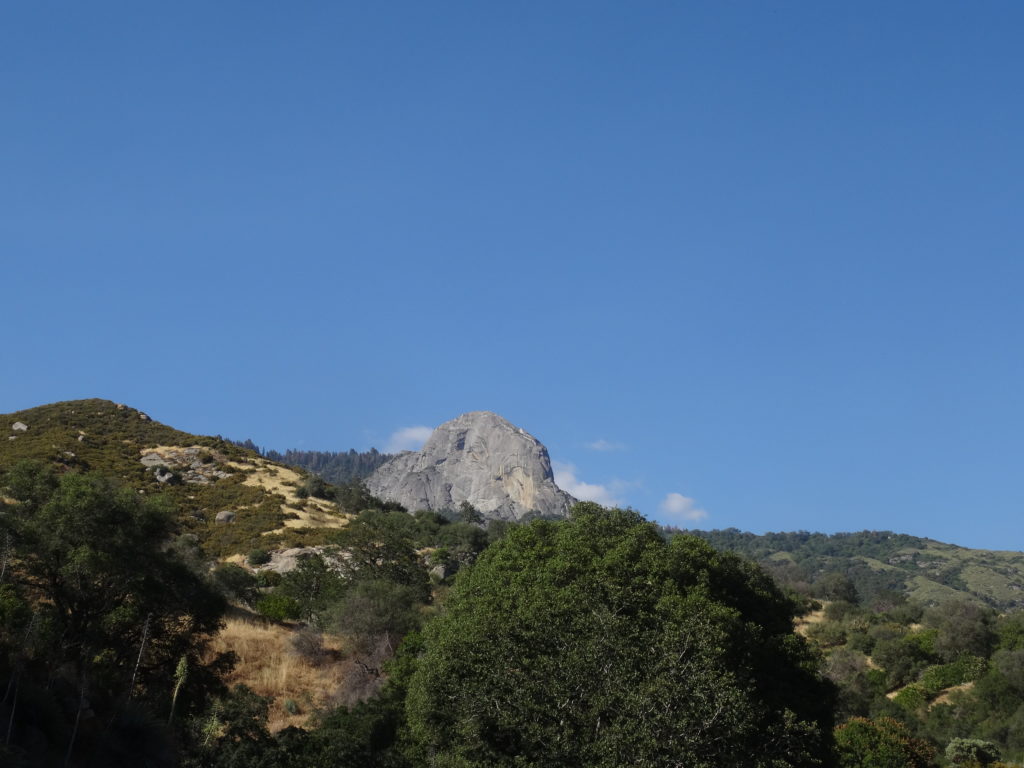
<point x="925" y="570"/>
<point x="229" y="498"/>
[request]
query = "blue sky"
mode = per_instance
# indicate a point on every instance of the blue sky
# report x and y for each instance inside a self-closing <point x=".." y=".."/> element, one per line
<point x="756" y="260"/>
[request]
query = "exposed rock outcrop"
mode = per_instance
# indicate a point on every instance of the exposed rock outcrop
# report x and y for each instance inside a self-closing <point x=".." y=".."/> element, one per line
<point x="477" y="457"/>
<point x="195" y="464"/>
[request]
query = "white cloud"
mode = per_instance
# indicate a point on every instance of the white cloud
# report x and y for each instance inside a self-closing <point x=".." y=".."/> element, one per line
<point x="605" y="445"/>
<point x="407" y="439"/>
<point x="676" y="508"/>
<point x="565" y="478"/>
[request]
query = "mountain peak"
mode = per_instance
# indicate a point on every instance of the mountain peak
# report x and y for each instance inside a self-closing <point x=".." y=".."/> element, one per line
<point x="479" y="457"/>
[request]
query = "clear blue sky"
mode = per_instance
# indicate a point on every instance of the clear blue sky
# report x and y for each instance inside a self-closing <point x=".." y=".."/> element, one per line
<point x="769" y="253"/>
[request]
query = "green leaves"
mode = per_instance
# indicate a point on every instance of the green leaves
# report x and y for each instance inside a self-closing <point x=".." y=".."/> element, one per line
<point x="109" y="609"/>
<point x="881" y="743"/>
<point x="593" y="642"/>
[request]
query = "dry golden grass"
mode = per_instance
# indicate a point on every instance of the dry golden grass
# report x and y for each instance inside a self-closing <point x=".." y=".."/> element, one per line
<point x="267" y="665"/>
<point x="275" y="478"/>
<point x="803" y="623"/>
<point x="272" y="478"/>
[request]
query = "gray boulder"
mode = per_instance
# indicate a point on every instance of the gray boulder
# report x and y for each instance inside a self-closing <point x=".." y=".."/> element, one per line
<point x="225" y="516"/>
<point x="152" y="459"/>
<point x="477" y="457"/>
<point x="19" y="426"/>
<point x="285" y="560"/>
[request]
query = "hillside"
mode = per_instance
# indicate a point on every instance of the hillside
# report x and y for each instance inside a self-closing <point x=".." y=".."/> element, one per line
<point x="925" y="570"/>
<point x="231" y="499"/>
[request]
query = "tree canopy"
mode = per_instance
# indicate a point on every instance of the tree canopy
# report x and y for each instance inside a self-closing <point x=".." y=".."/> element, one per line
<point x="594" y="642"/>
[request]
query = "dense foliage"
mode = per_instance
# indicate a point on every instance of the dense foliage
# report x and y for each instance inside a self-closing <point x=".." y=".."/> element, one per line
<point x="947" y="672"/>
<point x="881" y="743"/>
<point x="96" y="620"/>
<point x="594" y="642"/>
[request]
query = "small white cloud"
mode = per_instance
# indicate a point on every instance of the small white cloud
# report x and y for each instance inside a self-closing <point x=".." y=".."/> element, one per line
<point x="605" y="445"/>
<point x="676" y="508"/>
<point x="565" y="478"/>
<point x="407" y="439"/>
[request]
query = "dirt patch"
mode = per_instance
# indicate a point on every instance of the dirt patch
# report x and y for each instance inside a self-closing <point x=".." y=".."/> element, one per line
<point x="944" y="697"/>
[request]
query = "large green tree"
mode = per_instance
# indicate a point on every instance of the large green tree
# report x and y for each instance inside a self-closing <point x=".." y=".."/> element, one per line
<point x="595" y="642"/>
<point x="98" y="615"/>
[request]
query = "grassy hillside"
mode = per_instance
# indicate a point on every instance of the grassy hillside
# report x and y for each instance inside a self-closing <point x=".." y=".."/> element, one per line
<point x="876" y="562"/>
<point x="201" y="476"/>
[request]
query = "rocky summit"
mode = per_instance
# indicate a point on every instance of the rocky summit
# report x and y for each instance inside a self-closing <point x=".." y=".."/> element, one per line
<point x="478" y="457"/>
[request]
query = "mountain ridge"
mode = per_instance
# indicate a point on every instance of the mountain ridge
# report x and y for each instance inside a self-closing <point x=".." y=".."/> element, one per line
<point x="875" y="562"/>
<point x="270" y="512"/>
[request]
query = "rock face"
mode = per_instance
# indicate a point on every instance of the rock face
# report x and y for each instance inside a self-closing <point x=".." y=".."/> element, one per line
<point x="477" y="457"/>
<point x="195" y="464"/>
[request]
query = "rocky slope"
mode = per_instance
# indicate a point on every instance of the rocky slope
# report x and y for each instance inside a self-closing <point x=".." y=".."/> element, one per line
<point x="477" y="457"/>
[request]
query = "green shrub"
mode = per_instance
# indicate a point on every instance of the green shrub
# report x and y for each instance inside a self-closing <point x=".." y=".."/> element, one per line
<point x="267" y="579"/>
<point x="279" y="607"/>
<point x="972" y="752"/>
<point x="912" y="698"/>
<point x="235" y="582"/>
<point x="841" y="610"/>
<point x="258" y="557"/>
<point x="881" y="743"/>
<point x="861" y="641"/>
<point x="827" y="634"/>
<point x="963" y="670"/>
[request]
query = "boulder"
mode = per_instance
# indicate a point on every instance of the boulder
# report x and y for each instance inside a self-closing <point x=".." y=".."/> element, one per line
<point x="225" y="516"/>
<point x="285" y="560"/>
<point x="19" y="426"/>
<point x="151" y="459"/>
